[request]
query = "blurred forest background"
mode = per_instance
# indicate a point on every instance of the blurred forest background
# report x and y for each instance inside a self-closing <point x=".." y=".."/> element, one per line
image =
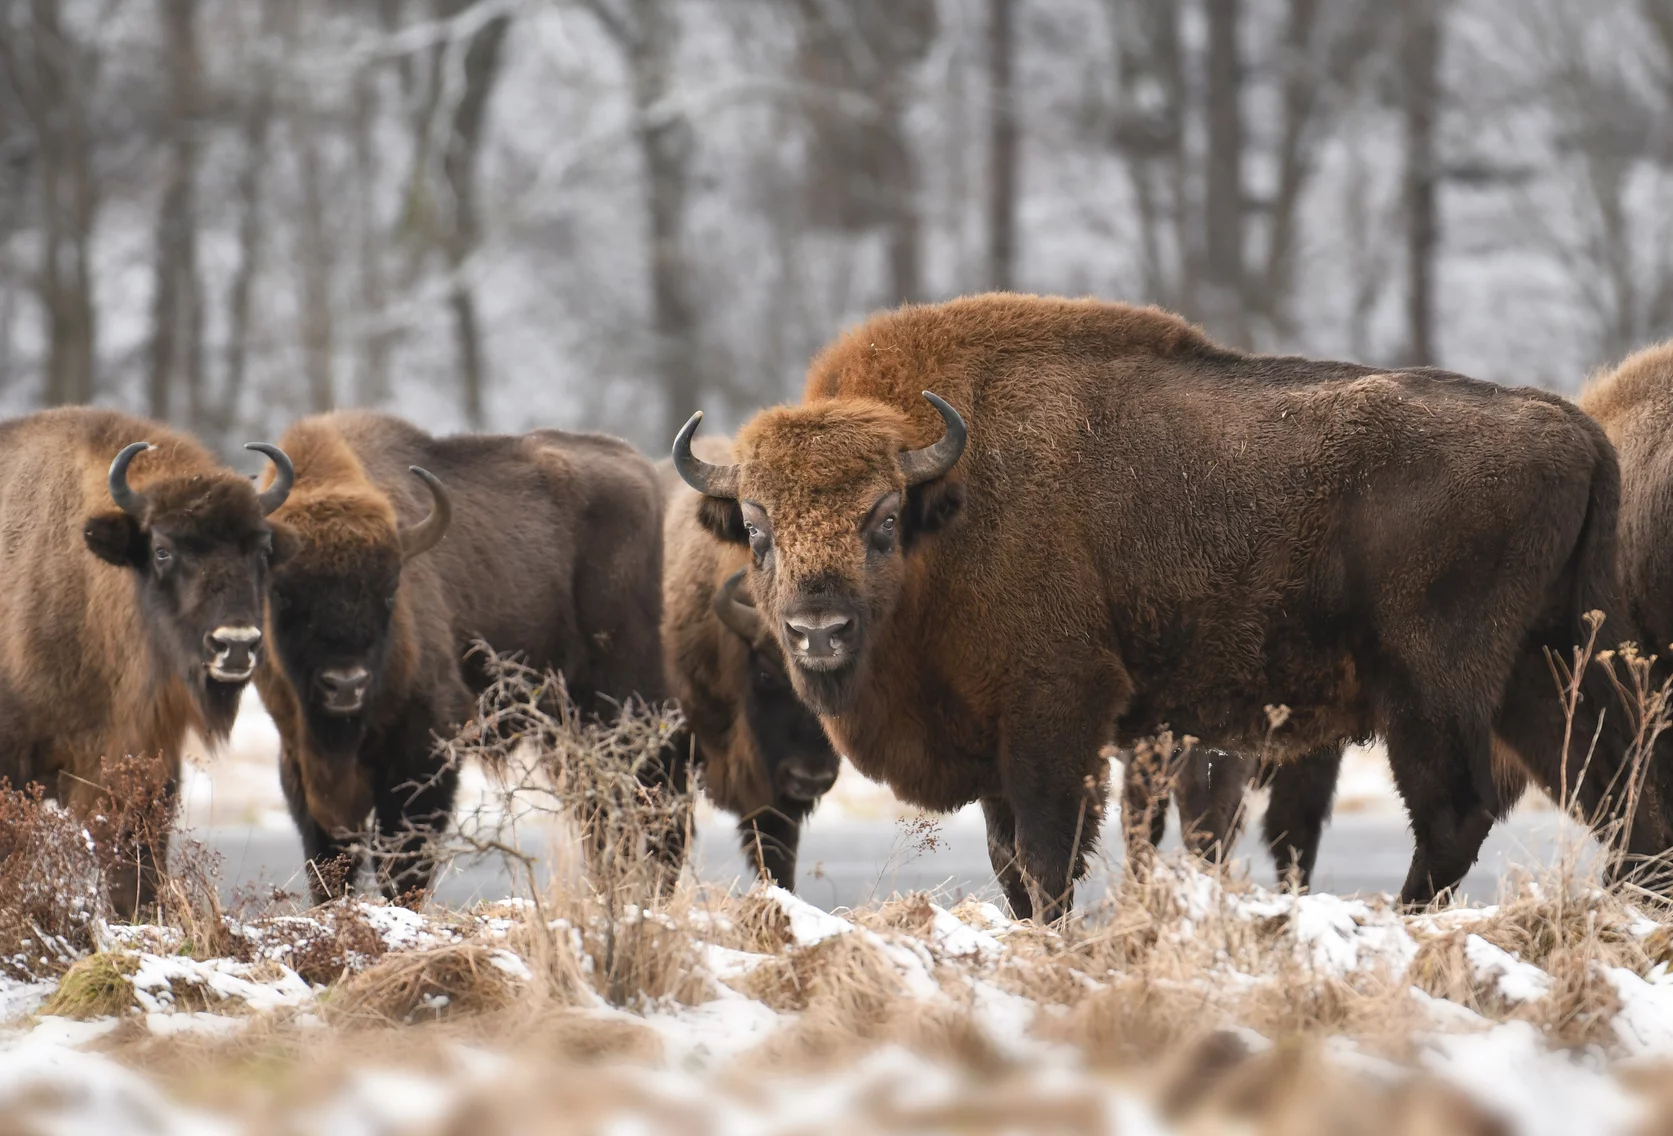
<point x="604" y="213"/>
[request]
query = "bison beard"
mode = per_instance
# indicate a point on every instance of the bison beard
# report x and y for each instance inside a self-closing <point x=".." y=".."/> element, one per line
<point x="374" y="597"/>
<point x="1159" y="532"/>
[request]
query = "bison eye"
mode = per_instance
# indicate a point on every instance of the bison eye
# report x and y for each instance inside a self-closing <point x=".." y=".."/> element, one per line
<point x="162" y="556"/>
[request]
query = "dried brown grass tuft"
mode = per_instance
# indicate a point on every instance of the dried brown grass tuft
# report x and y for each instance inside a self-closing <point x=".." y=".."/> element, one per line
<point x="464" y="978"/>
<point x="49" y="886"/>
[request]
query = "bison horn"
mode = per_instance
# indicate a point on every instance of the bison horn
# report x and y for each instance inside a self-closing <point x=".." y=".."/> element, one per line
<point x="938" y="459"/>
<point x="284" y="476"/>
<point x="424" y="536"/>
<point x="737" y="616"/>
<point x="129" y="500"/>
<point x="711" y="480"/>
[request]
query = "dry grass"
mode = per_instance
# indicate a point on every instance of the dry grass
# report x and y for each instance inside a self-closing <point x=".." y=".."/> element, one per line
<point x="49" y="886"/>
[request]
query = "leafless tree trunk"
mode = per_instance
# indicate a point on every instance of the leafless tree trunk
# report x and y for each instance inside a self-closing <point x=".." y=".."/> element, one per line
<point x="313" y="262"/>
<point x="51" y="77"/>
<point x="1148" y="129"/>
<point x="252" y="174"/>
<point x="372" y="379"/>
<point x="864" y="172"/>
<point x="1420" y="57"/>
<point x="647" y="33"/>
<point x="1002" y="146"/>
<point x="459" y="167"/>
<point x="1224" y="286"/>
<point x="177" y="294"/>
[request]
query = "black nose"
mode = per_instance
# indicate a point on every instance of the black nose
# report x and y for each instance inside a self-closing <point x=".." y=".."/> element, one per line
<point x="819" y="635"/>
<point x="232" y="652"/>
<point x="806" y="779"/>
<point x="344" y="687"/>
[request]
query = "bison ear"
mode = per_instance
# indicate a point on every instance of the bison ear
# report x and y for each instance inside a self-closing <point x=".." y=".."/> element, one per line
<point x="931" y="507"/>
<point x="722" y="517"/>
<point x="285" y="544"/>
<point x="116" y="539"/>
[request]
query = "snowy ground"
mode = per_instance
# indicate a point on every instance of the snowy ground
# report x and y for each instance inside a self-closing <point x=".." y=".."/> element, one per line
<point x="766" y="1014"/>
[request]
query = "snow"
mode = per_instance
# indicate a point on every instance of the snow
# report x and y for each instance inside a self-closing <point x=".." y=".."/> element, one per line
<point x="808" y="924"/>
<point x="1509" y="1070"/>
<point x="160" y="979"/>
<point x="1644" y="1023"/>
<point x="1515" y="980"/>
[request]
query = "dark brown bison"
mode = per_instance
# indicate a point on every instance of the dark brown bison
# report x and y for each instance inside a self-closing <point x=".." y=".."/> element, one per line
<point x="760" y="753"/>
<point x="121" y="655"/>
<point x="1101" y="523"/>
<point x="408" y="549"/>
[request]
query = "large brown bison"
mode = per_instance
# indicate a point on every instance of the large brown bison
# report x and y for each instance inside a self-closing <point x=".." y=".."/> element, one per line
<point x="408" y="549"/>
<point x="1101" y="523"/>
<point x="1634" y="404"/>
<point x="760" y="753"/>
<point x="120" y="653"/>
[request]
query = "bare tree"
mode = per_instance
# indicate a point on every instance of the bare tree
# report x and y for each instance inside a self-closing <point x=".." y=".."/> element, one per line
<point x="1002" y="145"/>
<point x="314" y="261"/>
<point x="459" y="167"/>
<point x="647" y="32"/>
<point x="51" y="76"/>
<point x="863" y="172"/>
<point x="255" y="127"/>
<point x="1420" y="66"/>
<point x="1222" y="295"/>
<point x="176" y="350"/>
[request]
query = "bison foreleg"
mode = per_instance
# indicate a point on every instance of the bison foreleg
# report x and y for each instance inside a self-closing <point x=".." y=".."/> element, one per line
<point x="1297" y="809"/>
<point x="1210" y="792"/>
<point x="409" y="816"/>
<point x="1002" y="852"/>
<point x="1433" y="768"/>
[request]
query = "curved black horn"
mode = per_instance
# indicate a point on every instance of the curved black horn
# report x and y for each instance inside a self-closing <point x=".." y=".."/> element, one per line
<point x="129" y="500"/>
<point x="737" y="616"/>
<point x="938" y="459"/>
<point x="712" y="480"/>
<point x="426" y="533"/>
<point x="284" y="476"/>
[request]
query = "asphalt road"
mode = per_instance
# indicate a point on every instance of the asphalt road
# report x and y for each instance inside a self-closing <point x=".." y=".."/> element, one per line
<point x="847" y="862"/>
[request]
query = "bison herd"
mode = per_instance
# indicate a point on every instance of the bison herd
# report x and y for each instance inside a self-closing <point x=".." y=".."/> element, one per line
<point x="997" y="536"/>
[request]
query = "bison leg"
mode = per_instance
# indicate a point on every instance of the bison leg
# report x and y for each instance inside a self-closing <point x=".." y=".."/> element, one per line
<point x="1002" y="853"/>
<point x="1055" y="780"/>
<point x="331" y="863"/>
<point x="1434" y="768"/>
<point x="1210" y="791"/>
<point x="409" y="816"/>
<point x="1297" y="809"/>
<point x="770" y="839"/>
<point x="1146" y="792"/>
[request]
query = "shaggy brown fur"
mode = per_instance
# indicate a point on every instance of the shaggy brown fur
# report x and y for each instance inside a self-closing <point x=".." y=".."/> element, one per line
<point x="1157" y="530"/>
<point x="554" y="552"/>
<point x="103" y="651"/>
<point x="760" y="753"/>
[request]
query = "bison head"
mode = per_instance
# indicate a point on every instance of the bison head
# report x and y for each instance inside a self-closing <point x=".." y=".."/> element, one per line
<point x="199" y="548"/>
<point x="796" y="758"/>
<point x="334" y="603"/>
<point x="830" y="498"/>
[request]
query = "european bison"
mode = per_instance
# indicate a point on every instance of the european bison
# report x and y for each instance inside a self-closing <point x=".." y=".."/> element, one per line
<point x="1123" y="525"/>
<point x="1634" y="404"/>
<point x="408" y="550"/>
<point x="760" y="753"/>
<point x="121" y="655"/>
